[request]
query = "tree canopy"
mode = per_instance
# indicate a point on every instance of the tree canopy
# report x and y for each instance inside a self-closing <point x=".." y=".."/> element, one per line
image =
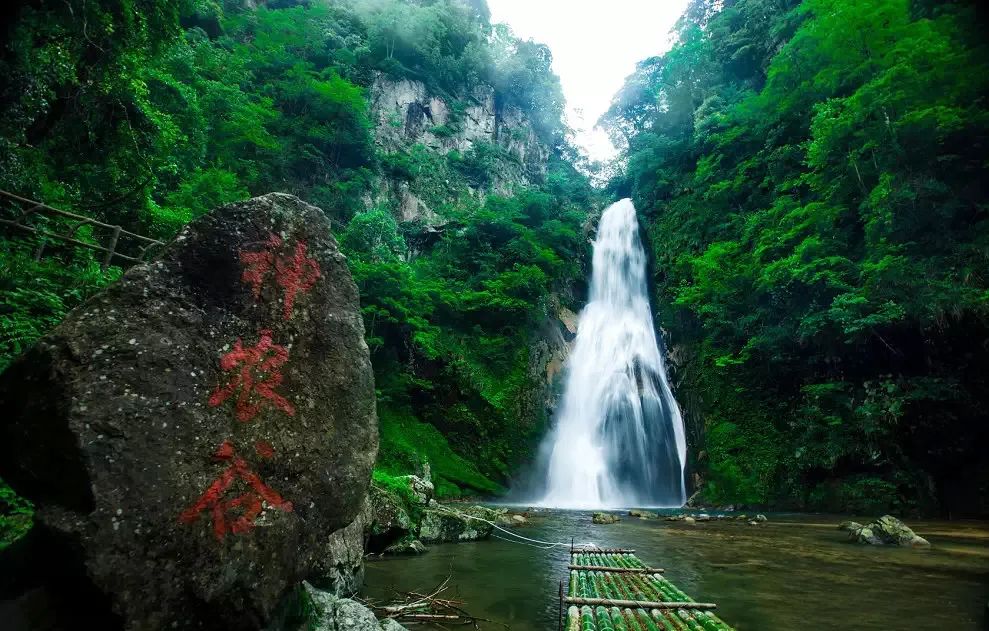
<point x="813" y="177"/>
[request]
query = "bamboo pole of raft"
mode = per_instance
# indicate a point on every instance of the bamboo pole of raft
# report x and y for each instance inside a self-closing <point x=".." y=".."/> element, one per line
<point x="608" y="568"/>
<point x="602" y="551"/>
<point x="638" y="604"/>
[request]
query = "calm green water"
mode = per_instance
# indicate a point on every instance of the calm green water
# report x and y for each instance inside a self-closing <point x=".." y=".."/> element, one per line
<point x="795" y="572"/>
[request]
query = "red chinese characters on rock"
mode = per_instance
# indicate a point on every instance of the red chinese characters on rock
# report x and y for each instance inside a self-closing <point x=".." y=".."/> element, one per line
<point x="235" y="515"/>
<point x="295" y="274"/>
<point x="252" y="377"/>
<point x="255" y="375"/>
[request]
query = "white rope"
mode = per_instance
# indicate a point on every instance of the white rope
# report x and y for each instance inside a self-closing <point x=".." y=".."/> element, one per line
<point x="531" y="545"/>
<point x="542" y="544"/>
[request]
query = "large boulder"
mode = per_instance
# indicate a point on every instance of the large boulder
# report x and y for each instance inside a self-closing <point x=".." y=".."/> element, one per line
<point x="194" y="435"/>
<point x="605" y="518"/>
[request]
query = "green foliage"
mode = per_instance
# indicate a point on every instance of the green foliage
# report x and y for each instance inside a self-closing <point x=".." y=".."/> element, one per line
<point x="408" y="444"/>
<point x="15" y="516"/>
<point x="807" y="170"/>
<point x="449" y="331"/>
<point x="59" y="282"/>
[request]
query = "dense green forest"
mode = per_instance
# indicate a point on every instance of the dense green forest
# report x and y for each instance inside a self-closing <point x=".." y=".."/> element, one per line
<point x="813" y="179"/>
<point x="148" y="113"/>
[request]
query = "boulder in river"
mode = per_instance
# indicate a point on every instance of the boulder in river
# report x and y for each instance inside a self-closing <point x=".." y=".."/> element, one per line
<point x="888" y="530"/>
<point x="642" y="514"/>
<point x="194" y="435"/>
<point x="849" y="526"/>
<point x="689" y="520"/>
<point x="605" y="518"/>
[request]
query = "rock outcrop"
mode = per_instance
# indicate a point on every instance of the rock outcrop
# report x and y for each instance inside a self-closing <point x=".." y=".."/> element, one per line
<point x="327" y="612"/>
<point x="605" y="518"/>
<point x="887" y="530"/>
<point x="406" y="518"/>
<point x="199" y="437"/>
<point x="442" y="524"/>
<point x="406" y="113"/>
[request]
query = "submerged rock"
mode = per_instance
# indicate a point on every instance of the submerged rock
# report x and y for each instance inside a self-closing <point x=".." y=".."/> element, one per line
<point x="195" y="434"/>
<point x="327" y="612"/>
<point x="518" y="520"/>
<point x="888" y="530"/>
<point x="642" y="514"/>
<point x="605" y="518"/>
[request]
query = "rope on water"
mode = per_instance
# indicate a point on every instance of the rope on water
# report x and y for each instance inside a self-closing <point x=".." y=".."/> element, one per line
<point x="545" y="545"/>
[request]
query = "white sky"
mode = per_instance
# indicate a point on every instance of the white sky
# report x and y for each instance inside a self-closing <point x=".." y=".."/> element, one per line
<point x="595" y="46"/>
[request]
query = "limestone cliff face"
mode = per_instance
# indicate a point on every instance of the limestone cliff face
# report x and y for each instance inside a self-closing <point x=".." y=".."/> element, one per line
<point x="405" y="114"/>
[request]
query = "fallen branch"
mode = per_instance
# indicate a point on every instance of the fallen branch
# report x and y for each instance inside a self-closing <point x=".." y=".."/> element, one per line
<point x="419" y="608"/>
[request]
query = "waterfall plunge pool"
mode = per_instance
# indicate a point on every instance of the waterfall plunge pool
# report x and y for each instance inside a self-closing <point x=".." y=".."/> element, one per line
<point x="793" y="572"/>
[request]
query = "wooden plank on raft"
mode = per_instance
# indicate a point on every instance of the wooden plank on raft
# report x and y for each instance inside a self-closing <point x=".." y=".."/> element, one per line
<point x="638" y="604"/>
<point x="602" y="551"/>
<point x="608" y="568"/>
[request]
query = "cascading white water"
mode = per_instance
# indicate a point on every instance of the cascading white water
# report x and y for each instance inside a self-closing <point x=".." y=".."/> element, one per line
<point x="618" y="440"/>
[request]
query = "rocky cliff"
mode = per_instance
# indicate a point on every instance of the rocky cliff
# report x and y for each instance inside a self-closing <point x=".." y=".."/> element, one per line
<point x="406" y="114"/>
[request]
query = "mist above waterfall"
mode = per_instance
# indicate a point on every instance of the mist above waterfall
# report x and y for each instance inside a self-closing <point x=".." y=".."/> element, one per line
<point x="618" y="439"/>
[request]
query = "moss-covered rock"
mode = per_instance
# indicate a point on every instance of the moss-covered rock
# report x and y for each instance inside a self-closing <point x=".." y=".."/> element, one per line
<point x="464" y="523"/>
<point x="888" y="530"/>
<point x="406" y="545"/>
<point x="605" y="518"/>
<point x="642" y="514"/>
<point x="326" y="612"/>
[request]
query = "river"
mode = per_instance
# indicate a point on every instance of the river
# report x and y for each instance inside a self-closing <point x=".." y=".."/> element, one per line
<point x="793" y="572"/>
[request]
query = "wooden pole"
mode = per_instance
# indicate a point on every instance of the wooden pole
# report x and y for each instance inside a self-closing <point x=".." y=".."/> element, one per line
<point x="559" y="611"/>
<point x="638" y="604"/>
<point x="603" y="551"/>
<point x="608" y="568"/>
<point x="110" y="249"/>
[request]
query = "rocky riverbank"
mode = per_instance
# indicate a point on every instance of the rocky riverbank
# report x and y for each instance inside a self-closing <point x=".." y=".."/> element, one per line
<point x="405" y="516"/>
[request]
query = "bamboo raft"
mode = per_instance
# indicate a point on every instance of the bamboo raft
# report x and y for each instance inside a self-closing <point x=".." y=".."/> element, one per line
<point x="612" y="590"/>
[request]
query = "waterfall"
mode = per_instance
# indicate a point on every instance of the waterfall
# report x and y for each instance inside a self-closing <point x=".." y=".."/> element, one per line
<point x="618" y="440"/>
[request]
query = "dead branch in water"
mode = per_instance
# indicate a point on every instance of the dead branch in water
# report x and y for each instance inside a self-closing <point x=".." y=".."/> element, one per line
<point x="431" y="608"/>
